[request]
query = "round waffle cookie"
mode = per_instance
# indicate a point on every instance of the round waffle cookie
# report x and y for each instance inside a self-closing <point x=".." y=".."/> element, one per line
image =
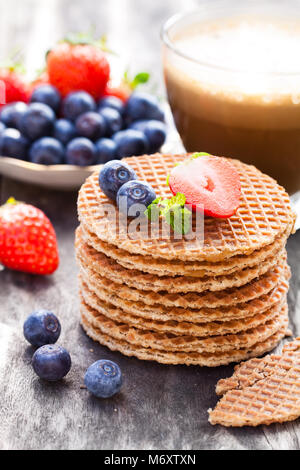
<point x="192" y="300"/>
<point x="112" y="270"/>
<point x="217" y="298"/>
<point x="187" y="343"/>
<point x="171" y="357"/>
<point x="173" y="315"/>
<point x="176" y="327"/>
<point x="162" y="267"/>
<point x="264" y="215"/>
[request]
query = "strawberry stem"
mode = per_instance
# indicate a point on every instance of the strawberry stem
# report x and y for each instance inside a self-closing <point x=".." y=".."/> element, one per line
<point x="12" y="201"/>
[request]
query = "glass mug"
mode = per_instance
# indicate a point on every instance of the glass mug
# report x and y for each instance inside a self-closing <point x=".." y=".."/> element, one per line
<point x="232" y="74"/>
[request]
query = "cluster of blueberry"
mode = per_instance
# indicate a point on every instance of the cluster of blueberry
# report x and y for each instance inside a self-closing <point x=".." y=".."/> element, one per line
<point x="52" y="362"/>
<point x="79" y="131"/>
<point x="119" y="182"/>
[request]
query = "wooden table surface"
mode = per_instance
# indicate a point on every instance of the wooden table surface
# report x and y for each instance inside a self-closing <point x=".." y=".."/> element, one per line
<point x="160" y="407"/>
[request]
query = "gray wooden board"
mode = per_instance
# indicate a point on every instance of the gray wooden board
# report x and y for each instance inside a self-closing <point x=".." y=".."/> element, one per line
<point x="160" y="407"/>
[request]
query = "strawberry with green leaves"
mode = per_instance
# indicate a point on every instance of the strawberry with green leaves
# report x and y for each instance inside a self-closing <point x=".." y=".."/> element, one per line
<point x="79" y="63"/>
<point x="13" y="87"/>
<point x="27" y="239"/>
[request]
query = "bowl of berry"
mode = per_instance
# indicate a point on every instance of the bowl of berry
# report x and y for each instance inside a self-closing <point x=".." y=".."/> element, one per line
<point x="58" y="130"/>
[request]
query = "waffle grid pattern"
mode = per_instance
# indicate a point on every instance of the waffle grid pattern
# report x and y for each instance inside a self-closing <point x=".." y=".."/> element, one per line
<point x="264" y="214"/>
<point x="208" y="301"/>
<point x="261" y="391"/>
<point x="175" y="327"/>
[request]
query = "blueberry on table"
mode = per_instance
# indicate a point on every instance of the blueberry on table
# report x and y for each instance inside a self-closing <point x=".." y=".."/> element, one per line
<point x="2" y="127"/>
<point x="37" y="121"/>
<point x="76" y="103"/>
<point x="143" y="106"/>
<point x="81" y="151"/>
<point x="130" y="142"/>
<point x="64" y="131"/>
<point x="12" y="113"/>
<point x="51" y="362"/>
<point x="154" y="131"/>
<point x="112" y="119"/>
<point x="135" y="193"/>
<point x="47" y="94"/>
<point x="103" y="379"/>
<point x="113" y="175"/>
<point x="47" y="151"/>
<point x="111" y="102"/>
<point x="106" y="150"/>
<point x="42" y="327"/>
<point x="91" y="125"/>
<point x="13" y="144"/>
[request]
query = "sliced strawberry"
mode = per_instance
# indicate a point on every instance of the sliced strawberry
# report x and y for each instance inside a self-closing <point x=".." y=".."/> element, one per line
<point x="209" y="183"/>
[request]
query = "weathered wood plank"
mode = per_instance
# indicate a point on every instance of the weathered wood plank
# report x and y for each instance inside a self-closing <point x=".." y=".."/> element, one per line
<point x="160" y="407"/>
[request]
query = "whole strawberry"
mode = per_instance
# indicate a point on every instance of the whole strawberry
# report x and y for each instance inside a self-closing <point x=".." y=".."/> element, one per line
<point x="12" y="86"/>
<point x="27" y="239"/>
<point x="75" y="66"/>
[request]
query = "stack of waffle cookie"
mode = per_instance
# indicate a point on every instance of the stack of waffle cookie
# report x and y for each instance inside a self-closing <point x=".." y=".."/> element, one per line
<point x="207" y="300"/>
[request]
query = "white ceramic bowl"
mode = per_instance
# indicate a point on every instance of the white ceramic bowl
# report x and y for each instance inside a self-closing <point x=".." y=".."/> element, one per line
<point x="71" y="177"/>
<point x="65" y="177"/>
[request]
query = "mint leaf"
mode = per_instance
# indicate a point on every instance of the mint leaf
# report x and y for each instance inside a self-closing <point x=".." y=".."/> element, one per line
<point x="153" y="210"/>
<point x="173" y="211"/>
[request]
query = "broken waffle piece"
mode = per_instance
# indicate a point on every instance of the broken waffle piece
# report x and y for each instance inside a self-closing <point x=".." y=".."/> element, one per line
<point x="261" y="391"/>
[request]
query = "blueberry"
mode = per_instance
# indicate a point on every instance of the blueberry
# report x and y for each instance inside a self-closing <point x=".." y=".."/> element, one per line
<point x="2" y="127"/>
<point x="64" y="131"/>
<point x="47" y="94"/>
<point x="42" y="327"/>
<point x="143" y="106"/>
<point x="51" y="362"/>
<point x="135" y="192"/>
<point x="113" y="120"/>
<point x="37" y="121"/>
<point x="113" y="175"/>
<point x="13" y="144"/>
<point x="155" y="132"/>
<point x="81" y="151"/>
<point x="76" y="103"/>
<point x="12" y="113"/>
<point x="103" y="379"/>
<point x="111" y="102"/>
<point x="105" y="149"/>
<point x="91" y="125"/>
<point x="130" y="142"/>
<point x="47" y="151"/>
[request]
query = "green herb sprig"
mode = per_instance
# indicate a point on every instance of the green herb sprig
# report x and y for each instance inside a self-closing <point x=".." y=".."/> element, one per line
<point x="174" y="212"/>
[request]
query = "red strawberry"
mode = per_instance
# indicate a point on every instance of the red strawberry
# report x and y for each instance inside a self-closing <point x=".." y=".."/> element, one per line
<point x="78" y="67"/>
<point x="12" y="86"/>
<point x="27" y="239"/>
<point x="209" y="183"/>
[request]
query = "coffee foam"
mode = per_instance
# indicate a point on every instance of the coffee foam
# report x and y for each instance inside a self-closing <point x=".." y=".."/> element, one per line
<point x="245" y="58"/>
